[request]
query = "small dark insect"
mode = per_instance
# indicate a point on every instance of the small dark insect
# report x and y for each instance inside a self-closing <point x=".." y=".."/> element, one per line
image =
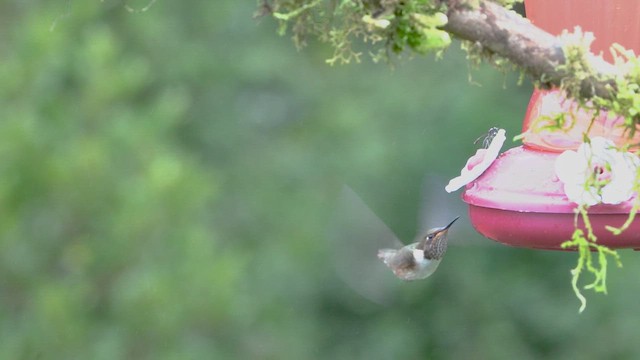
<point x="488" y="137"/>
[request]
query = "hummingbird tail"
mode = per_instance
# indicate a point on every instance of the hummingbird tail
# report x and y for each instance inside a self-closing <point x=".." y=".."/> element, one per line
<point x="386" y="254"/>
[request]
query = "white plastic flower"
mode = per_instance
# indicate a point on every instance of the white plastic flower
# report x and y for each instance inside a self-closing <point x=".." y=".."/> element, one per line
<point x="597" y="173"/>
<point x="478" y="163"/>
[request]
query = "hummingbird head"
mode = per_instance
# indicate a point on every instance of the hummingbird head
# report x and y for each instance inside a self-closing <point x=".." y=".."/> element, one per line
<point x="434" y="242"/>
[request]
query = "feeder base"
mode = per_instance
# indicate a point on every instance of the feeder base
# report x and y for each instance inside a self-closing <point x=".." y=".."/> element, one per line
<point x="548" y="230"/>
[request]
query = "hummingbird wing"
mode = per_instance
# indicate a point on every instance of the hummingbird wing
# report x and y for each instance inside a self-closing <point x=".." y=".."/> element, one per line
<point x="355" y="236"/>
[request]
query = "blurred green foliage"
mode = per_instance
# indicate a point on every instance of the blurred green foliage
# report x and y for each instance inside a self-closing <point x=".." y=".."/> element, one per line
<point x="168" y="177"/>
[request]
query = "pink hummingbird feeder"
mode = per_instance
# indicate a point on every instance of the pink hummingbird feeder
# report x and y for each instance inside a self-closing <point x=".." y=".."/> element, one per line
<point x="520" y="199"/>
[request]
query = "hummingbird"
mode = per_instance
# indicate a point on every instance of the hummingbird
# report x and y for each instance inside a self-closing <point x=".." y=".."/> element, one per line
<point x="421" y="259"/>
<point x="355" y="234"/>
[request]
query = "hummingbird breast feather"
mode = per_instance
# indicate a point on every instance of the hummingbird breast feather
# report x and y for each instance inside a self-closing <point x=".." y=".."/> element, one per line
<point x="407" y="263"/>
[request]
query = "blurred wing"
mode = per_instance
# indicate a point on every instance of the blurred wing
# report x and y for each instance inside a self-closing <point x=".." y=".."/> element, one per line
<point x="355" y="235"/>
<point x="364" y="223"/>
<point x="438" y="208"/>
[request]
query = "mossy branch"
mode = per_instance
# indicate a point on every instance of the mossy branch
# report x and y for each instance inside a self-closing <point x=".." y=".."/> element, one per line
<point x="490" y="29"/>
<point x="542" y="56"/>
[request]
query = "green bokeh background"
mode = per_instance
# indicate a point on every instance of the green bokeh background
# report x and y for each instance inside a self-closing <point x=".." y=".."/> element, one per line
<point x="168" y="178"/>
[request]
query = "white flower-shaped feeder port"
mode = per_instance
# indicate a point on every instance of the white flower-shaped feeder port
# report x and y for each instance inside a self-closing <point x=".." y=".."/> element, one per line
<point x="597" y="173"/>
<point x="478" y="163"/>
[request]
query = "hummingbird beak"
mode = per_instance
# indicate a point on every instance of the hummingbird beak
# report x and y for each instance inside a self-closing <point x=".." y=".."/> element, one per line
<point x="451" y="223"/>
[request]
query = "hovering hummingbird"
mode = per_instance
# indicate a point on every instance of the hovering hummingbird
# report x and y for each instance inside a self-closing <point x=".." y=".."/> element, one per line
<point x="355" y="234"/>
<point x="421" y="259"/>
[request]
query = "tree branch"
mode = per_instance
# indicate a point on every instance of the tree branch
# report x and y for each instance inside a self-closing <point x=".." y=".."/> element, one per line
<point x="564" y="61"/>
<point x="538" y="53"/>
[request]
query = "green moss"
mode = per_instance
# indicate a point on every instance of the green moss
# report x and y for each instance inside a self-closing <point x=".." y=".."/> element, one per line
<point x="585" y="244"/>
<point x="624" y="97"/>
<point x="391" y="27"/>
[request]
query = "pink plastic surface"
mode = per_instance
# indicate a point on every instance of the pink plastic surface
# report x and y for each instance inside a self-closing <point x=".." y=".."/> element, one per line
<point x="547" y="230"/>
<point x="611" y="21"/>
<point x="519" y="201"/>
<point x="545" y="104"/>
<point x="523" y="179"/>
